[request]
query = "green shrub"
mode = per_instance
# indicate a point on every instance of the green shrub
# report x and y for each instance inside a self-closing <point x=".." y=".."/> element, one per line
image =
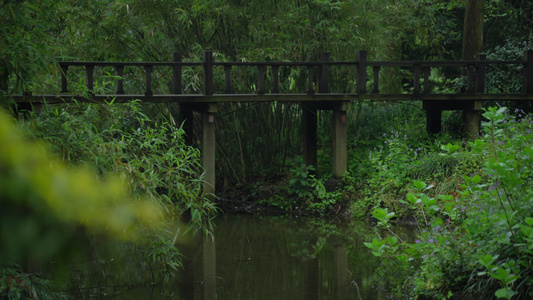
<point x="477" y="239"/>
<point x="121" y="139"/>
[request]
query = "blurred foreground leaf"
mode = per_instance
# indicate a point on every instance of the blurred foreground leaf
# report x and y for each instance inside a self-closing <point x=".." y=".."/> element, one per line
<point x="42" y="201"/>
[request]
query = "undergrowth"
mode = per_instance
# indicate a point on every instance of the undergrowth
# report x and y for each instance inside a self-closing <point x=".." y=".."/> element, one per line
<point x="475" y="238"/>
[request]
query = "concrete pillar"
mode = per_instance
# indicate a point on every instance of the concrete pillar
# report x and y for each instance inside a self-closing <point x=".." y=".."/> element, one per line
<point x="208" y="147"/>
<point x="433" y="121"/>
<point x="340" y="139"/>
<point x="309" y="131"/>
<point x="433" y="116"/>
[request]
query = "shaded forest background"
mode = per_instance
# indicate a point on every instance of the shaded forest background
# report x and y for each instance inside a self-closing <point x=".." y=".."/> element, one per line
<point x="35" y="34"/>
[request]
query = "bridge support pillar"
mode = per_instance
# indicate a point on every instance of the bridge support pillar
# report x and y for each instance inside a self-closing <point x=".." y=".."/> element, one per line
<point x="309" y="131"/>
<point x="340" y="139"/>
<point x="433" y="118"/>
<point x="208" y="147"/>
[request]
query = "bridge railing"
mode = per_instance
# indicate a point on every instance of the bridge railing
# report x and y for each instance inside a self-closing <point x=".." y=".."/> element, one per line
<point x="318" y="75"/>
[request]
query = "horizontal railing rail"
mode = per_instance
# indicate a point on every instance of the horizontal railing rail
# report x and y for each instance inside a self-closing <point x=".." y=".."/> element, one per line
<point x="318" y="74"/>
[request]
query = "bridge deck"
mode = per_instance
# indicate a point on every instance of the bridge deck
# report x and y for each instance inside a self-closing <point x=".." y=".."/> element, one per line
<point x="199" y="98"/>
<point x="267" y="88"/>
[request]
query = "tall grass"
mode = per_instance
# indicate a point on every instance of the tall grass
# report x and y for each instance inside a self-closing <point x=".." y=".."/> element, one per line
<point x="123" y="139"/>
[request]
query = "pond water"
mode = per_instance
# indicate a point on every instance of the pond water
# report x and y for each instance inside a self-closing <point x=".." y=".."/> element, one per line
<point x="255" y="257"/>
<point x="274" y="257"/>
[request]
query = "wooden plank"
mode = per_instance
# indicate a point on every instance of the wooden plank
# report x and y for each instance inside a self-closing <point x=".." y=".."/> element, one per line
<point x="323" y="85"/>
<point x="208" y="72"/>
<point x="275" y="74"/>
<point x="416" y="81"/>
<point x="89" y="69"/>
<point x="310" y="90"/>
<point x="376" y="70"/>
<point x="361" y="72"/>
<point x="260" y="80"/>
<point x="227" y="75"/>
<point x="127" y="64"/>
<point x="148" y="71"/>
<point x="398" y="63"/>
<point x="199" y="98"/>
<point x="426" y="70"/>
<point x="120" y="73"/>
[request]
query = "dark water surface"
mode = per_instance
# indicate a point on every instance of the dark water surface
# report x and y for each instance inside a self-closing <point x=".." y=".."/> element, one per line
<point x="258" y="257"/>
<point x="253" y="257"/>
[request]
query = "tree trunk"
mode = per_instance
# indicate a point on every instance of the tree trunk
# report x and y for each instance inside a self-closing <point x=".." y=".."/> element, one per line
<point x="472" y="45"/>
<point x="473" y="29"/>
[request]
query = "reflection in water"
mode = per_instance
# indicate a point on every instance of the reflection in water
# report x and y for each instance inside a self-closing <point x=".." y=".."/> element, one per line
<point x="279" y="258"/>
<point x="209" y="265"/>
<point x="249" y="257"/>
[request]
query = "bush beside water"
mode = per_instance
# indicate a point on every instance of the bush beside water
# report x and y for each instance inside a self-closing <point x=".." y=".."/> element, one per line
<point x="107" y="172"/>
<point x="476" y="236"/>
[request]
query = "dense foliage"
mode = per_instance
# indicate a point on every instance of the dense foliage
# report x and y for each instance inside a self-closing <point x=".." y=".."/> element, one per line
<point x="475" y="237"/>
<point x="142" y="145"/>
<point x="122" y="140"/>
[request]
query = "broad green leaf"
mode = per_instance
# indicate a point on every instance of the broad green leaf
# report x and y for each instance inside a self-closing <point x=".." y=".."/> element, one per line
<point x="419" y="184"/>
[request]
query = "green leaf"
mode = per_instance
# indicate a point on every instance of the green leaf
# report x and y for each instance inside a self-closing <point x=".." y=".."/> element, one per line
<point x="412" y="198"/>
<point x="487" y="260"/>
<point x="475" y="179"/>
<point x="420" y="184"/>
<point x="504" y="293"/>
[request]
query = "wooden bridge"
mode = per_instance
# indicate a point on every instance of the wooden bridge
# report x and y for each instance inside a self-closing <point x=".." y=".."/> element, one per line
<point x="317" y="94"/>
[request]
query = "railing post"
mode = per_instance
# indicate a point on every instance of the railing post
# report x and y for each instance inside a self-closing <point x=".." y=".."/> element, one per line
<point x="416" y="80"/>
<point x="227" y="72"/>
<point x="376" y="70"/>
<point x="261" y="80"/>
<point x="275" y="74"/>
<point x="148" y="91"/>
<point x="176" y="73"/>
<point x="323" y="85"/>
<point x="208" y="73"/>
<point x="310" y="90"/>
<point x="64" y="71"/>
<point x="480" y="74"/>
<point x="528" y="72"/>
<point x="426" y="70"/>
<point x="89" y="69"/>
<point x="361" y="71"/>
<point x="120" y="73"/>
